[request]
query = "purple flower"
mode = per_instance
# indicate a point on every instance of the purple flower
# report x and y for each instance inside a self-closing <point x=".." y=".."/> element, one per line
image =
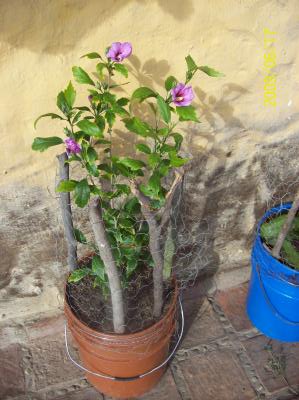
<point x="119" y="51"/>
<point x="72" y="147"/>
<point x="182" y="95"/>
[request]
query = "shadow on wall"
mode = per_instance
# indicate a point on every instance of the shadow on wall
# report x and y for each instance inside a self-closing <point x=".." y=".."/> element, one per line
<point x="54" y="27"/>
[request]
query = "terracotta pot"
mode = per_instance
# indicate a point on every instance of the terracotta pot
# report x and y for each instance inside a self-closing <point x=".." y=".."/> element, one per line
<point x="124" y="356"/>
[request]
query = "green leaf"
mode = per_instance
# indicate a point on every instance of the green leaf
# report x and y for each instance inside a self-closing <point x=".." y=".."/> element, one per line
<point x="210" y="71"/>
<point x="131" y="266"/>
<point x="109" y="98"/>
<point x="100" y="121"/>
<point x="42" y="144"/>
<point x="70" y="95"/>
<point x="170" y="83"/>
<point x="144" y="148"/>
<point x="66" y="186"/>
<point x="137" y="126"/>
<point x="62" y="103"/>
<point x="270" y="230"/>
<point x="92" y="169"/>
<point x="123" y="101"/>
<point x="122" y="69"/>
<point x="164" y="167"/>
<point x="91" y="154"/>
<point x="153" y="160"/>
<point x="191" y="64"/>
<point x="123" y="188"/>
<point x="131" y="163"/>
<point x="166" y="148"/>
<point x="143" y="93"/>
<point x="154" y="183"/>
<point x="78" y="274"/>
<point x="132" y="206"/>
<point x="81" y="76"/>
<point x="82" y="193"/>
<point x="163" y="108"/>
<point x="176" y="161"/>
<point x="120" y="111"/>
<point x="290" y="254"/>
<point x="52" y="115"/>
<point x="98" y="267"/>
<point x="84" y="108"/>
<point x="163" y="132"/>
<point x="79" y="236"/>
<point x="77" y="117"/>
<point x="187" y="113"/>
<point x="91" y="55"/>
<point x="178" y="138"/>
<point x="110" y="117"/>
<point x="152" y="189"/>
<point x="100" y="68"/>
<point x="90" y="128"/>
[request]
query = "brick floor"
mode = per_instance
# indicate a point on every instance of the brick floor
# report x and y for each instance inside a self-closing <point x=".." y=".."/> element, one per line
<point x="12" y="381"/>
<point x="50" y="364"/>
<point x="269" y="360"/>
<point x="233" y="303"/>
<point x="86" y="394"/>
<point x="204" y="326"/>
<point x="216" y="374"/>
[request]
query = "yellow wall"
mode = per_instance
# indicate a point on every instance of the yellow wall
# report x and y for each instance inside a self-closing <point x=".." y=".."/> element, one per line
<point x="41" y="40"/>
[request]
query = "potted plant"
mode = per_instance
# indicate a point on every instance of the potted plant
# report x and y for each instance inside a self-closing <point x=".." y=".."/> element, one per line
<point x="130" y="202"/>
<point x="273" y="296"/>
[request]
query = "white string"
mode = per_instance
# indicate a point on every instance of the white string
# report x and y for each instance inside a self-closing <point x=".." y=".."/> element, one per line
<point x="114" y="378"/>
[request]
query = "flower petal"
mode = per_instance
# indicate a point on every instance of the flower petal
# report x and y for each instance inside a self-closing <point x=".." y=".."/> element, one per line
<point x="125" y="49"/>
<point x="113" y="51"/>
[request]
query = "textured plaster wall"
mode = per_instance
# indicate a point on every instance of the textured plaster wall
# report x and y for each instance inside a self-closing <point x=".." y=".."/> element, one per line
<point x="242" y="150"/>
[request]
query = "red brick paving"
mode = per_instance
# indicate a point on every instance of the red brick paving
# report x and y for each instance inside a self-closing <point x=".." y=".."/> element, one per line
<point x="233" y="303"/>
<point x="50" y="362"/>
<point x="216" y="375"/>
<point x="265" y="361"/>
<point x="205" y="326"/>
<point x="12" y="381"/>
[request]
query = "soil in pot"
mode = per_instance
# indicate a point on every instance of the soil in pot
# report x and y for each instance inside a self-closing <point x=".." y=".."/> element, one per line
<point x="94" y="309"/>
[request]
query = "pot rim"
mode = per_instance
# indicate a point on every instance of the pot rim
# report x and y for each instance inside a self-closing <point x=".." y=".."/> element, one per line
<point x="112" y="335"/>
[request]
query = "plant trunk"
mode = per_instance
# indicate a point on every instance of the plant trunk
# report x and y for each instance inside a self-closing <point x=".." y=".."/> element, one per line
<point x="155" y="249"/>
<point x="286" y="227"/>
<point x="98" y="227"/>
<point x="66" y="211"/>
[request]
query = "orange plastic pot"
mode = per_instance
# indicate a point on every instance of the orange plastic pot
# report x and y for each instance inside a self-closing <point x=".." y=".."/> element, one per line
<point x="124" y="356"/>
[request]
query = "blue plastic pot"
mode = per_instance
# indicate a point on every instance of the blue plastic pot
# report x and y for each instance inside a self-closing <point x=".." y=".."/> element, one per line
<point x="273" y="295"/>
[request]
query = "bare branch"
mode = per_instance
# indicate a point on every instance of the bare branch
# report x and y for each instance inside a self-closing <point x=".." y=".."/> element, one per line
<point x="66" y="211"/>
<point x="286" y="227"/>
<point x="98" y="227"/>
<point x="178" y="180"/>
<point x="155" y="248"/>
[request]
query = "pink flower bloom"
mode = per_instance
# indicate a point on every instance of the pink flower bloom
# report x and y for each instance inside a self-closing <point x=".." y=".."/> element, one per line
<point x="119" y="51"/>
<point x="72" y="147"/>
<point x="182" y="95"/>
